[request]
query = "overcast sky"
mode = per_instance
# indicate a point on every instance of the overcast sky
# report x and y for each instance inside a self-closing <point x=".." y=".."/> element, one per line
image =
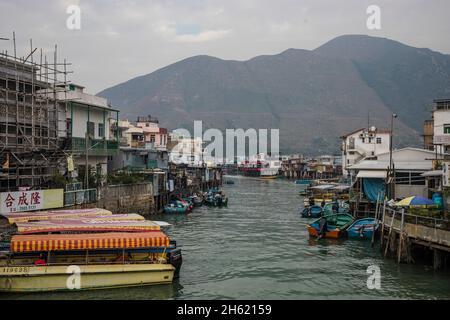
<point x="119" y="40"/>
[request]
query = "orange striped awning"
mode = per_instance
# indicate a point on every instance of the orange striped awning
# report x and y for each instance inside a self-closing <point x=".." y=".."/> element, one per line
<point x="65" y="242"/>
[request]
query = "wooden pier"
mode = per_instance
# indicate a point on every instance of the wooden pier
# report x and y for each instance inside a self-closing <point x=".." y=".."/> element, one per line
<point x="408" y="237"/>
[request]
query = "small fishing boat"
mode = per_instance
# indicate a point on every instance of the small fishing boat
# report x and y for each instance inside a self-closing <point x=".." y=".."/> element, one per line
<point x="337" y="224"/>
<point x="303" y="181"/>
<point x="216" y="198"/>
<point x="177" y="207"/>
<point x="312" y="212"/>
<point x="363" y="228"/>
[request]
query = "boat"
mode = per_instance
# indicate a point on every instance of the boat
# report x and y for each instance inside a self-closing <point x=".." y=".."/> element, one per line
<point x="303" y="181"/>
<point x="176" y="207"/>
<point x="260" y="168"/>
<point x="229" y="181"/>
<point x="363" y="228"/>
<point x="337" y="224"/>
<point x="312" y="212"/>
<point x="46" y="262"/>
<point x="216" y="198"/>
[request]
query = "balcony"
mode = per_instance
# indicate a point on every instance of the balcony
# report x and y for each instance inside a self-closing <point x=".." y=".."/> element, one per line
<point x="443" y="139"/>
<point x="96" y="147"/>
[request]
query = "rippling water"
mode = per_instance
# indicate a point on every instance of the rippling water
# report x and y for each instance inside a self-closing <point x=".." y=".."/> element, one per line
<point x="259" y="248"/>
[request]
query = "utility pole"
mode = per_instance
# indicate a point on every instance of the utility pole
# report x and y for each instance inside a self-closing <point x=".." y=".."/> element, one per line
<point x="86" y="173"/>
<point x="391" y="144"/>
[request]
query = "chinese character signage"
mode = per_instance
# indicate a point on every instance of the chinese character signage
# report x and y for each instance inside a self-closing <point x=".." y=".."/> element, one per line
<point x="21" y="201"/>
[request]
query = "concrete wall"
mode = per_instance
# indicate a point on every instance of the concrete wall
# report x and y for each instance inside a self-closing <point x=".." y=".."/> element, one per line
<point x="136" y="198"/>
<point x="403" y="191"/>
<point x="80" y="118"/>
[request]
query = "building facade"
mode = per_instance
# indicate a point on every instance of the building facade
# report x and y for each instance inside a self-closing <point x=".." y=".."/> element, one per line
<point x="361" y="144"/>
<point x="89" y="138"/>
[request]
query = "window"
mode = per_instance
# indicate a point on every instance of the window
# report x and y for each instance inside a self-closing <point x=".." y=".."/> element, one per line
<point x="351" y="143"/>
<point x="90" y="128"/>
<point x="101" y="130"/>
<point x="378" y="140"/>
<point x="69" y="127"/>
<point x="152" y="138"/>
<point x="446" y="128"/>
<point x="363" y="140"/>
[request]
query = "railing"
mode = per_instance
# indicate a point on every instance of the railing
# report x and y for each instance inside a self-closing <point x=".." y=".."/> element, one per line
<point x="77" y="197"/>
<point x="95" y="146"/>
<point x="430" y="222"/>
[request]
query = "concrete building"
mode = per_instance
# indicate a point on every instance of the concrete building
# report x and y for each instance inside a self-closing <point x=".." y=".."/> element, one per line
<point x="153" y="133"/>
<point x="88" y="131"/>
<point x="363" y="143"/>
<point x="370" y="176"/>
<point x="441" y="125"/>
<point x="30" y="148"/>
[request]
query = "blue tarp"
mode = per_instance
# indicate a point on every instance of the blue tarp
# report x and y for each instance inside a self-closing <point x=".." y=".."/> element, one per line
<point x="372" y="187"/>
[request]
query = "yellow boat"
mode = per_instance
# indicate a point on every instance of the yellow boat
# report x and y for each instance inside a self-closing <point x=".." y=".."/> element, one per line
<point x="54" y="262"/>
<point x="83" y="277"/>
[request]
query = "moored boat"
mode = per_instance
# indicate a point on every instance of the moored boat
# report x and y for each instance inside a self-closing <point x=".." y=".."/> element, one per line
<point x="363" y="228"/>
<point x="336" y="225"/>
<point x="312" y="212"/>
<point x="53" y="262"/>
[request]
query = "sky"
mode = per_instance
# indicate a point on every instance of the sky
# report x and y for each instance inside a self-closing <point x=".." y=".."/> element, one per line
<point x="119" y="40"/>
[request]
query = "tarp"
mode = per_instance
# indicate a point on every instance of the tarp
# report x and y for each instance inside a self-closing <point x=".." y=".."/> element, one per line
<point x="372" y="174"/>
<point x="86" y="225"/>
<point x="67" y="242"/>
<point x="373" y="187"/>
<point x="55" y="214"/>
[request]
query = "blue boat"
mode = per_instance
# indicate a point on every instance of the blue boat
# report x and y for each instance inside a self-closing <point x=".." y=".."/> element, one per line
<point x="303" y="181"/>
<point x="362" y="228"/>
<point x="312" y="212"/>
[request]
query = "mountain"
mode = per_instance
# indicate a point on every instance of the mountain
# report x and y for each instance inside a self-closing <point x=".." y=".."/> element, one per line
<point x="313" y="97"/>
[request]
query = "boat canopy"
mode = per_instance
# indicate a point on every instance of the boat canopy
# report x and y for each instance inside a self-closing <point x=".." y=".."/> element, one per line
<point x="323" y="187"/>
<point x="86" y="225"/>
<point x="68" y="242"/>
<point x="55" y="214"/>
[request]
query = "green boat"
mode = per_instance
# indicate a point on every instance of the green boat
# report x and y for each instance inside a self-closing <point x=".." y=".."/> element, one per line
<point x="337" y="224"/>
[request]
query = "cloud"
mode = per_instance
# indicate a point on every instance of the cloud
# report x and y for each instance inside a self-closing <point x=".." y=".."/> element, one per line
<point x="181" y="33"/>
<point x="121" y="39"/>
<point x="202" y="36"/>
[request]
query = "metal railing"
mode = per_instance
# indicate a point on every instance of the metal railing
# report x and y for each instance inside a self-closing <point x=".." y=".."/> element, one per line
<point x="77" y="197"/>
<point x="436" y="223"/>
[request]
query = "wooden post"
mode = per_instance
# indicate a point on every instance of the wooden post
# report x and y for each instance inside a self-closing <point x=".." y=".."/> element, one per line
<point x="400" y="238"/>
<point x="376" y="218"/>
<point x="382" y="223"/>
<point x="389" y="234"/>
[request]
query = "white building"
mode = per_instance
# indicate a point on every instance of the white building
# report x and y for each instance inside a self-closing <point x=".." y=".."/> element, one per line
<point x="363" y="143"/>
<point x="410" y="165"/>
<point x="441" y="126"/>
<point x="88" y="120"/>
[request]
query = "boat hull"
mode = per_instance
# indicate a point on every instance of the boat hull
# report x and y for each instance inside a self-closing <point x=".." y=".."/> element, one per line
<point x="336" y="233"/>
<point x="337" y="225"/>
<point x="60" y="278"/>
<point x="362" y="229"/>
